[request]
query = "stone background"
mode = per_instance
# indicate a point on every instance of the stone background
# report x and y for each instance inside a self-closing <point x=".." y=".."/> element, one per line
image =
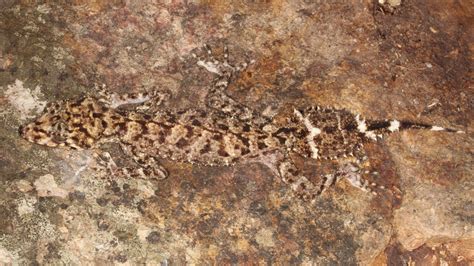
<point x="406" y="60"/>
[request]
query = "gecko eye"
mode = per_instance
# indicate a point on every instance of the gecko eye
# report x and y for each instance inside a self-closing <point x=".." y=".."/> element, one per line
<point x="49" y="106"/>
<point x="52" y="107"/>
<point x="21" y="130"/>
<point x="60" y="127"/>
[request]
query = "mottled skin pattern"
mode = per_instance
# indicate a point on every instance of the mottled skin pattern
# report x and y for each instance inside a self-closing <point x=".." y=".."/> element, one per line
<point x="224" y="134"/>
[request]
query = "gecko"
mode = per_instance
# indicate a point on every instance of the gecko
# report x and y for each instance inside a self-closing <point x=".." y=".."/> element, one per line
<point x="223" y="134"/>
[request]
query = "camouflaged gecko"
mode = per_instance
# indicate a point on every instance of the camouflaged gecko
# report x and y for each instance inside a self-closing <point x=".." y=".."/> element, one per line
<point x="224" y="134"/>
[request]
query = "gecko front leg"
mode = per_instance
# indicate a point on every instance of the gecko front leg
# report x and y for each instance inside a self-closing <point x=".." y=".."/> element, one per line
<point x="149" y="167"/>
<point x="146" y="100"/>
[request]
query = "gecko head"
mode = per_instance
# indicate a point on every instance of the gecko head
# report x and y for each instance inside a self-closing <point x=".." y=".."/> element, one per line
<point x="72" y="124"/>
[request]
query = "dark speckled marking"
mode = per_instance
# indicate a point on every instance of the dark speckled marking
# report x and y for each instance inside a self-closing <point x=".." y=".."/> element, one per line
<point x="206" y="148"/>
<point x="222" y="152"/>
<point x="182" y="143"/>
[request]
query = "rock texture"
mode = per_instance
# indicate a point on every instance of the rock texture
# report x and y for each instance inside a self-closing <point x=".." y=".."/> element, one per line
<point x="384" y="59"/>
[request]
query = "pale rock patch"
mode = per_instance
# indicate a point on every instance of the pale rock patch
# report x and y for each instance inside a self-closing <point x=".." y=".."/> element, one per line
<point x="26" y="206"/>
<point x="46" y="187"/>
<point x="6" y="258"/>
<point x="264" y="238"/>
<point x="24" y="100"/>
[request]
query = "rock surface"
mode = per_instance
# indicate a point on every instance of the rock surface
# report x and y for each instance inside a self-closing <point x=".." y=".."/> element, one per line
<point x="410" y="60"/>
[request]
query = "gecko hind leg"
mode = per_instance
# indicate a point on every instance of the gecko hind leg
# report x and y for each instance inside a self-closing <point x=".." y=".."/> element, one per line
<point x="217" y="97"/>
<point x="303" y="188"/>
<point x="220" y="67"/>
<point x="355" y="169"/>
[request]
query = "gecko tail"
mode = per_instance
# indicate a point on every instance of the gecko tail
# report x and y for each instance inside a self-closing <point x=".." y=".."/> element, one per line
<point x="388" y="126"/>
